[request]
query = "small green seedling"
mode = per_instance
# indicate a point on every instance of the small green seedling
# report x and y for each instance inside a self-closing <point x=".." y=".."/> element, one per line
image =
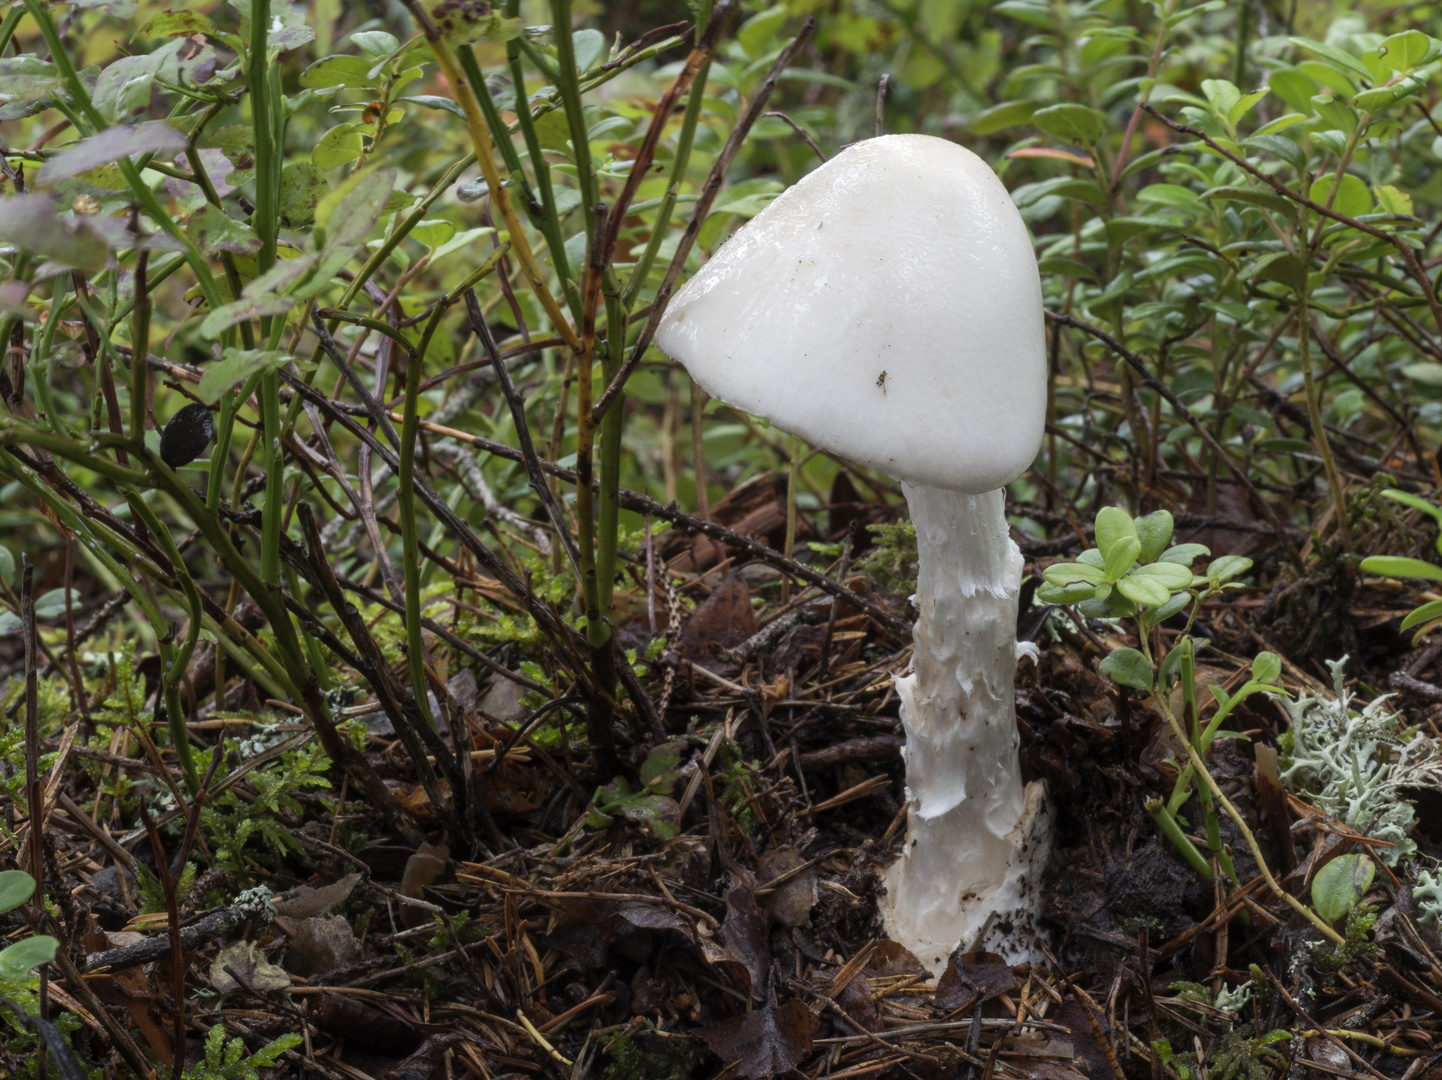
<point x="1136" y="572"/>
<point x="652" y="806"/>
<point x="16" y="961"/>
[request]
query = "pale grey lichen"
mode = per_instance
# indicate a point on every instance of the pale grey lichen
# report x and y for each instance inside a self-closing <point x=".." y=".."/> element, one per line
<point x="256" y="903"/>
<point x="1428" y="895"/>
<point x="1356" y="764"/>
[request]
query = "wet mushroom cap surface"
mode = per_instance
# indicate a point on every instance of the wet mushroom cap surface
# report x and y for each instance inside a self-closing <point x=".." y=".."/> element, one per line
<point x="885" y="308"/>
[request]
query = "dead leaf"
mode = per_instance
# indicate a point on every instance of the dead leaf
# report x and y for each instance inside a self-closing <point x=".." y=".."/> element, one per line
<point x="423" y="868"/>
<point x="724" y="621"/>
<point x="763" y="1042"/>
<point x="790" y="903"/>
<point x="889" y="960"/>
<point x="250" y="964"/>
<point x="744" y="931"/>
<point x="321" y="945"/>
<point x="856" y="1002"/>
<point x="969" y="976"/>
<point x="310" y="901"/>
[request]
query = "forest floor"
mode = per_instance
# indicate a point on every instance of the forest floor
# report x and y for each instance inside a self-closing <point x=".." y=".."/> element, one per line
<point x="718" y="913"/>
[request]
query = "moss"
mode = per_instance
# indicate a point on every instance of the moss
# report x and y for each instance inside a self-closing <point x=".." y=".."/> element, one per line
<point x="650" y="1055"/>
<point x="892" y="561"/>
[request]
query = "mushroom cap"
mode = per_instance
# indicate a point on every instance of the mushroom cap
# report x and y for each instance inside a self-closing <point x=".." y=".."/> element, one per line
<point x="887" y="308"/>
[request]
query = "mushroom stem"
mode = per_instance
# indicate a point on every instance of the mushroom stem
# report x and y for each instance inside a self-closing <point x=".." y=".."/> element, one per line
<point x="977" y="838"/>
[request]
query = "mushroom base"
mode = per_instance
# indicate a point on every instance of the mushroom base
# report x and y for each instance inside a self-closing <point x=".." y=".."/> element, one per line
<point x="977" y="838"/>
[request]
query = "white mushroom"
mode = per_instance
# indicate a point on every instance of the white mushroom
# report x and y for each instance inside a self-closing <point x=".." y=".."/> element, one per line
<point x="887" y="308"/>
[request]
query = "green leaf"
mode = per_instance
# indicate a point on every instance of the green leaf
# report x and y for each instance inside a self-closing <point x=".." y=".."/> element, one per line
<point x="1256" y="196"/>
<point x="31" y="224"/>
<point x="1393" y="200"/>
<point x="1425" y="613"/>
<point x="212" y="230"/>
<point x="1074" y="593"/>
<point x="1113" y="524"/>
<point x="1416" y="502"/>
<point x="1282" y="267"/>
<point x="1245" y="104"/>
<point x="1008" y="114"/>
<point x="1340" y="884"/>
<point x="1172" y="195"/>
<point x="1155" y="532"/>
<point x="7" y="575"/>
<point x="16" y="886"/>
<point x="351" y="208"/>
<point x="349" y="71"/>
<point x="1267" y="667"/>
<point x="1344" y="61"/>
<point x="25" y="79"/>
<point x="242" y="310"/>
<point x="1404" y="51"/>
<point x="1074" y="124"/>
<point x="338" y="146"/>
<point x="1398" y="567"/>
<point x="1169" y="575"/>
<point x="1352" y="198"/>
<point x="1170" y="608"/>
<point x="301" y="187"/>
<point x="1144" y="590"/>
<point x="234" y="368"/>
<point x="1426" y="372"/>
<point x="1123" y="553"/>
<point x="1221" y="95"/>
<point x="1067" y="573"/>
<point x="31" y="952"/>
<point x="589" y="44"/>
<point x="1128" y="667"/>
<point x="433" y="232"/>
<point x="155" y="136"/>
<point x="1228" y="566"/>
<point x="464" y="21"/>
<point x="375" y="43"/>
<point x="658" y="771"/>
<point x="1185" y="554"/>
<point x="176" y="24"/>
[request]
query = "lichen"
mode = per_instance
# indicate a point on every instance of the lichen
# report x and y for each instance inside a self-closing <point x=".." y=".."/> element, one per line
<point x="1354" y="764"/>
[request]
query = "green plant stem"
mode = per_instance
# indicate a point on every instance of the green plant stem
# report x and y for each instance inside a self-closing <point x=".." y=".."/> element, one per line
<point x="1167" y="825"/>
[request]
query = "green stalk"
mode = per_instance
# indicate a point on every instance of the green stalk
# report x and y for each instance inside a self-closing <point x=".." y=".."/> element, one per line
<point x="1169" y="828"/>
<point x="570" y="90"/>
<point x="7" y="28"/>
<point x="550" y="223"/>
<point x="264" y="220"/>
